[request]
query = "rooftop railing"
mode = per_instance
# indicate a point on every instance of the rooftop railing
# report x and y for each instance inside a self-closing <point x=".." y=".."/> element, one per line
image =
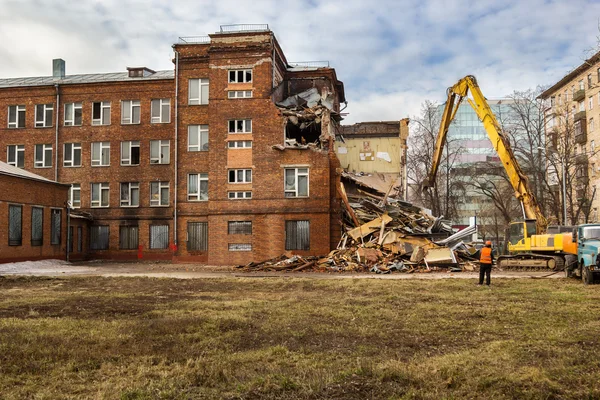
<point x="244" y="28"/>
<point x="310" y="64"/>
<point x="194" y="39"/>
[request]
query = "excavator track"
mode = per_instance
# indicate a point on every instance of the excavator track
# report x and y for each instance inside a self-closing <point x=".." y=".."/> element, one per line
<point x="531" y="262"/>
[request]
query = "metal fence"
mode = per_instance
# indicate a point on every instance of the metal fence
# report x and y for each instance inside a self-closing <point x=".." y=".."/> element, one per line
<point x="309" y="64"/>
<point x="99" y="235"/>
<point x="159" y="236"/>
<point x="194" y="39"/>
<point x="244" y="28"/>
<point x="197" y="236"/>
<point x="297" y="235"/>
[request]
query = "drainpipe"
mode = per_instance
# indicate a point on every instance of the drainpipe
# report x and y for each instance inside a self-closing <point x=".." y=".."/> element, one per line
<point x="176" y="146"/>
<point x="56" y="134"/>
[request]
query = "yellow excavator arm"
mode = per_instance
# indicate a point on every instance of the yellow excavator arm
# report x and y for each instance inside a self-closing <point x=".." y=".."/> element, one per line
<point x="518" y="180"/>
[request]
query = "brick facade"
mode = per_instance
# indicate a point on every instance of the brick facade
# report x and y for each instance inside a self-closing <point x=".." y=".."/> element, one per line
<point x="269" y="80"/>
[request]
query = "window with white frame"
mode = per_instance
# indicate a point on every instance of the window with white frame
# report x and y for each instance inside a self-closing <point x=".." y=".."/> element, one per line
<point x="159" y="151"/>
<point x="589" y="81"/>
<point x="75" y="195"/>
<point x="55" y="225"/>
<point x="198" y="138"/>
<point x="43" y="156"/>
<point x="198" y="187"/>
<point x="240" y="176"/>
<point x="37" y="226"/>
<point x="130" y="152"/>
<point x="239" y="195"/>
<point x="591" y="124"/>
<point x="239" y="144"/>
<point x="130" y="194"/>
<point x="16" y="116"/>
<point x="198" y="91"/>
<point x="15" y="225"/>
<point x="240" y="75"/>
<point x="297" y="235"/>
<point x="581" y="106"/>
<point x="43" y="115"/>
<point x="240" y="126"/>
<point x="591" y="102"/>
<point x="100" y="154"/>
<point x="73" y="114"/>
<point x="296" y="182"/>
<point x="101" y="113"/>
<point x="130" y="112"/>
<point x="100" y="195"/>
<point x="15" y="155"/>
<point x="72" y="155"/>
<point x="159" y="194"/>
<point x="160" y="111"/>
<point x="581" y="85"/>
<point x="239" y="94"/>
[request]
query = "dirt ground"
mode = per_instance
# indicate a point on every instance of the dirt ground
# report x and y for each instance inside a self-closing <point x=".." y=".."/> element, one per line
<point x="192" y="271"/>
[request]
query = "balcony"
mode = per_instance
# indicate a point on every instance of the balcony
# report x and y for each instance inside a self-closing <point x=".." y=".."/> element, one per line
<point x="580" y="132"/>
<point x="581" y="160"/>
<point x="579" y="95"/>
<point x="579" y="116"/>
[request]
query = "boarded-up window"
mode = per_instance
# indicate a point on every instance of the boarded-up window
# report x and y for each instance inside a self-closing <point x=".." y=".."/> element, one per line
<point x="37" y="226"/>
<point x="128" y="237"/>
<point x="197" y="236"/>
<point x="56" y="216"/>
<point x="99" y="237"/>
<point x="159" y="236"/>
<point x="239" y="228"/>
<point x="15" y="225"/>
<point x="297" y="235"/>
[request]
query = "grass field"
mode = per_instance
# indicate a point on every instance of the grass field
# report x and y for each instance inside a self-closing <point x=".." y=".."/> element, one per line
<point x="253" y="338"/>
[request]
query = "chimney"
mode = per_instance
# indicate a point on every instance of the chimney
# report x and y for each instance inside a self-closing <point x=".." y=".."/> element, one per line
<point x="58" y="68"/>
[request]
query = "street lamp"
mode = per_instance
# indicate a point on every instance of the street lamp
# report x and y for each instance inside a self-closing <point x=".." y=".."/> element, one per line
<point x="564" y="181"/>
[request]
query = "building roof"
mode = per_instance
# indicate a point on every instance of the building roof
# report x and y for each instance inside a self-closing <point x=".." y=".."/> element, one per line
<point x="6" y="169"/>
<point x="82" y="78"/>
<point x="567" y="78"/>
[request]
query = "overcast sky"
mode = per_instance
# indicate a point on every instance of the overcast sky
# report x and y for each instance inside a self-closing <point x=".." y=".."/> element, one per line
<point x="391" y="54"/>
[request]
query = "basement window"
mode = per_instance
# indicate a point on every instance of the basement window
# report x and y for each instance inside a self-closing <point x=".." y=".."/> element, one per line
<point x="239" y="195"/>
<point x="239" y="94"/>
<point x="240" y="246"/>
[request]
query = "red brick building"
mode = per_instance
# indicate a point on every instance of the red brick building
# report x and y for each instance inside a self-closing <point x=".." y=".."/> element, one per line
<point x="226" y="158"/>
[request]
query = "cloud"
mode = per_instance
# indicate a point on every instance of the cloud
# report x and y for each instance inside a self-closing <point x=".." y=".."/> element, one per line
<point x="392" y="55"/>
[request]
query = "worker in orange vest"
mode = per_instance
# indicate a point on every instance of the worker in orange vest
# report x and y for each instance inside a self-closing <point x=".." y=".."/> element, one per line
<point x="485" y="261"/>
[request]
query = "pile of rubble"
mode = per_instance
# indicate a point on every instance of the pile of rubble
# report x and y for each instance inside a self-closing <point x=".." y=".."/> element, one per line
<point x="383" y="235"/>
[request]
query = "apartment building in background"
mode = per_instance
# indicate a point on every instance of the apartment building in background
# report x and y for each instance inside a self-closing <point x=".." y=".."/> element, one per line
<point x="572" y="116"/>
<point x="224" y="159"/>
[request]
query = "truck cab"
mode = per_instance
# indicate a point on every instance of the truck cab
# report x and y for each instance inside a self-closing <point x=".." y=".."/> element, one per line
<point x="587" y="237"/>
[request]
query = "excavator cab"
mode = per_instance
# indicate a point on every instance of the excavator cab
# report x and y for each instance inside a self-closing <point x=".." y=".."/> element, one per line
<point x="518" y="231"/>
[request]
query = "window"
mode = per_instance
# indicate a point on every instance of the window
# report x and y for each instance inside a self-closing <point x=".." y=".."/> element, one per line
<point x="15" y="225"/>
<point x="240" y="75"/>
<point x="159" y="152"/>
<point x="130" y="194"/>
<point x="43" y="156"/>
<point x="70" y="239"/>
<point x="130" y="153"/>
<point x="240" y="126"/>
<point x="591" y="124"/>
<point x="198" y="91"/>
<point x="159" y="193"/>
<point x="559" y="100"/>
<point x="79" y="239"/>
<point x="101" y="113"/>
<point x="296" y="182"/>
<point x="100" y="154"/>
<point x="239" y="195"/>
<point x="130" y="112"/>
<point x="16" y="116"/>
<point x="15" y="155"/>
<point x="159" y="236"/>
<point x="581" y="106"/>
<point x="37" y="226"/>
<point x="43" y="115"/>
<point x="73" y="114"/>
<point x="100" y="194"/>
<point x="581" y="85"/>
<point x="160" y="111"/>
<point x="197" y="233"/>
<point x="128" y="237"/>
<point x="240" y="176"/>
<point x="240" y="144"/>
<point x="239" y="227"/>
<point x="297" y="235"/>
<point x="591" y="102"/>
<point x="198" y="187"/>
<point x="55" y="222"/>
<point x="239" y="94"/>
<point x="552" y="101"/>
<point x="198" y="138"/>
<point x="592" y="146"/>
<point x="99" y="236"/>
<point x="72" y="155"/>
<point x="589" y="81"/>
<point x="75" y="195"/>
<point x="240" y="246"/>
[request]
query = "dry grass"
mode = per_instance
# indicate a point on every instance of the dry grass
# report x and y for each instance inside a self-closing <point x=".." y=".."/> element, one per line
<point x="142" y="338"/>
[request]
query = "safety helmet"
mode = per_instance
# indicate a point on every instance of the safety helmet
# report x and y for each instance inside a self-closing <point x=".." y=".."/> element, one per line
<point x="488" y="243"/>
